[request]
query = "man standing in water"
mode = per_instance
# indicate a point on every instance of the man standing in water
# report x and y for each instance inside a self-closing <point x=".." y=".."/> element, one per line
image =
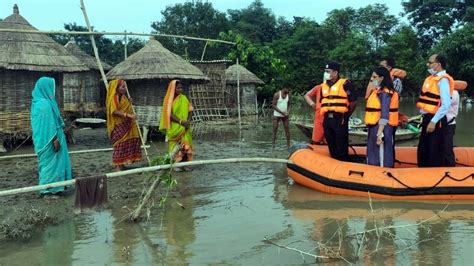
<point x="281" y="112"/>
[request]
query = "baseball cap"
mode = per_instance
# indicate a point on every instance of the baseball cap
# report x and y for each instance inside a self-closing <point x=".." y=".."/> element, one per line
<point x="333" y="65"/>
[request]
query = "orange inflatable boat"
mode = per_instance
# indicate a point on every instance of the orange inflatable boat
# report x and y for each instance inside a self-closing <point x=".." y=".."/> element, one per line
<point x="313" y="167"/>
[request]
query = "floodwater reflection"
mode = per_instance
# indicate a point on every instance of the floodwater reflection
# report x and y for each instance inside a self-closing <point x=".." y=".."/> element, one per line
<point x="386" y="232"/>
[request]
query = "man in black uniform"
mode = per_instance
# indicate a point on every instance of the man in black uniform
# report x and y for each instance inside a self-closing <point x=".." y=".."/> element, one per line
<point x="338" y="100"/>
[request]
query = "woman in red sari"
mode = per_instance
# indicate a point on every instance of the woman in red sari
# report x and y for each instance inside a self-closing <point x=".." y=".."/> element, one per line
<point x="121" y="126"/>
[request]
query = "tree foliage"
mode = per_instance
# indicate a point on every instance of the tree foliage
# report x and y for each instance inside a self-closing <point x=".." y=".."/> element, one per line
<point x="256" y="23"/>
<point x="260" y="60"/>
<point x="405" y="48"/>
<point x="195" y="18"/>
<point x="283" y="52"/>
<point x="434" y="19"/>
<point x="305" y="51"/>
<point x="458" y="49"/>
<point x="355" y="56"/>
<point x="110" y="51"/>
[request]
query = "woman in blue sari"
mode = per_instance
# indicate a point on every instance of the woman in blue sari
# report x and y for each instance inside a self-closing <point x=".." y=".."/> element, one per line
<point x="49" y="140"/>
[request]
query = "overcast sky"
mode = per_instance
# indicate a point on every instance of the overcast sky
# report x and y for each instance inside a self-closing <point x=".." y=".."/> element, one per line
<point x="137" y="15"/>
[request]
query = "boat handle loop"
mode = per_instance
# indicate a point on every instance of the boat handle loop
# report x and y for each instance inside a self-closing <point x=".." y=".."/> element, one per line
<point x="361" y="173"/>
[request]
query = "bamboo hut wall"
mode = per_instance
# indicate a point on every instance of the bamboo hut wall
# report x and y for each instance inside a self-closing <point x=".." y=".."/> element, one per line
<point x="15" y="99"/>
<point x="147" y="96"/>
<point x="209" y="98"/>
<point x="247" y="98"/>
<point x="82" y="92"/>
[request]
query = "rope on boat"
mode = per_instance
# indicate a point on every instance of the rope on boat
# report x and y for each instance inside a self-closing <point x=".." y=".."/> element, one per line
<point x="446" y="175"/>
<point x="146" y="170"/>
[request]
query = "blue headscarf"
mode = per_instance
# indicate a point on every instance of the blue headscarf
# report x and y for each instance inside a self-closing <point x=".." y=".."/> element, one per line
<point x="45" y="116"/>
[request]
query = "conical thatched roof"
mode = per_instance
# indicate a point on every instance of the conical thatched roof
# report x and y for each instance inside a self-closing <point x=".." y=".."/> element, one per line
<point x="155" y="62"/>
<point x="246" y="77"/>
<point x="33" y="52"/>
<point x="85" y="58"/>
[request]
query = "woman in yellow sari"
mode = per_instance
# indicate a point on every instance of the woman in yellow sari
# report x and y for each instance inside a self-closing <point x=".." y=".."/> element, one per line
<point x="176" y="122"/>
<point x="121" y="126"/>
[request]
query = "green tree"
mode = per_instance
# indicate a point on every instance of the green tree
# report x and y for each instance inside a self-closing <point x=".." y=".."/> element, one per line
<point x="305" y="51"/>
<point x="340" y="22"/>
<point x="259" y="59"/>
<point x="375" y="21"/>
<point x="111" y="52"/>
<point x="355" y="56"/>
<point x="434" y="19"/>
<point x="256" y="23"/>
<point x="405" y="48"/>
<point x="458" y="48"/>
<point x="198" y="19"/>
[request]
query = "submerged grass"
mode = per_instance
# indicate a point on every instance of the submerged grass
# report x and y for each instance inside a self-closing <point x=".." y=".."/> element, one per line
<point x="25" y="224"/>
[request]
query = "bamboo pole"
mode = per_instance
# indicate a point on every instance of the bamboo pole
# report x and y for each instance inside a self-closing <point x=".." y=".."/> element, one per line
<point x="204" y="51"/>
<point x="116" y="33"/>
<point x="104" y="78"/>
<point x="96" y="53"/>
<point x="147" y="170"/>
<point x="70" y="152"/>
<point x="138" y="127"/>
<point x="125" y="53"/>
<point x="238" y="94"/>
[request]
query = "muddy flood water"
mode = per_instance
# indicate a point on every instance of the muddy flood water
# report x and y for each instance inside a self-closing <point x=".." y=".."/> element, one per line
<point x="237" y="213"/>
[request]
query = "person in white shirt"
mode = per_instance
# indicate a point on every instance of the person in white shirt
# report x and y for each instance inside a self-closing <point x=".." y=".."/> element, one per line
<point x="281" y="112"/>
<point x="434" y="102"/>
<point x="448" y="154"/>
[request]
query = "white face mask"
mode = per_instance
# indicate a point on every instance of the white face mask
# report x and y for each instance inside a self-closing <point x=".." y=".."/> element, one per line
<point x="431" y="71"/>
<point x="327" y="76"/>
<point x="376" y="83"/>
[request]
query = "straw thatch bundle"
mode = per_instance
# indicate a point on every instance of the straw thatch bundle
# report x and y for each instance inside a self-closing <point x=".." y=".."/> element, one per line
<point x="246" y="77"/>
<point x="33" y="52"/>
<point x="148" y="73"/>
<point x="209" y="98"/>
<point x="83" y="91"/>
<point x="156" y="62"/>
<point x="23" y="59"/>
<point x="248" y="81"/>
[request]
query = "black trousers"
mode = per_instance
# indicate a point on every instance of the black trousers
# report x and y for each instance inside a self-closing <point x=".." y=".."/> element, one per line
<point x="448" y="152"/>
<point x="336" y="131"/>
<point x="431" y="146"/>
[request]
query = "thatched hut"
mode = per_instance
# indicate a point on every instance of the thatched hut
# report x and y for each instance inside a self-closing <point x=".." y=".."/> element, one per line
<point x="209" y="99"/>
<point x="84" y="93"/>
<point x="148" y="73"/>
<point x="23" y="59"/>
<point x="248" y="81"/>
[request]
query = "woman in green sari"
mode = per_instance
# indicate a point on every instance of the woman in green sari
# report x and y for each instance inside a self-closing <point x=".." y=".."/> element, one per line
<point x="176" y="122"/>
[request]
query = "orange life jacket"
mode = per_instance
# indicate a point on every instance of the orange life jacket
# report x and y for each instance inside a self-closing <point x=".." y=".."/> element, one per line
<point x="397" y="72"/>
<point x="373" y="111"/>
<point x="430" y="99"/>
<point x="334" y="98"/>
